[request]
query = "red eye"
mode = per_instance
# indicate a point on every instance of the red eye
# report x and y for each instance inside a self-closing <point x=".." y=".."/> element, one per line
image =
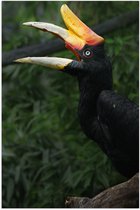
<point x="87" y="53"/>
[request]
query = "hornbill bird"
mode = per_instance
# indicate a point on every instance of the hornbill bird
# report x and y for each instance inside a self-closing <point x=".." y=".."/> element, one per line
<point x="106" y="117"/>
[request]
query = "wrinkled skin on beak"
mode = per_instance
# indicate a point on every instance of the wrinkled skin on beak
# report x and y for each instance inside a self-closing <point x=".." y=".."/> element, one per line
<point x="75" y="37"/>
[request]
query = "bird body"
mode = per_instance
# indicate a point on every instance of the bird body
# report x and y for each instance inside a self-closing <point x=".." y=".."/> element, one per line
<point x="114" y="127"/>
<point x="106" y="117"/>
<point x="111" y="120"/>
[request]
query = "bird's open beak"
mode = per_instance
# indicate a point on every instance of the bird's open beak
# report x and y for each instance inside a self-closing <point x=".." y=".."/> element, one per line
<point x="76" y="37"/>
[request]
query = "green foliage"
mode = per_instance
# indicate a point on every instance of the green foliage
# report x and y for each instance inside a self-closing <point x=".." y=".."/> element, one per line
<point x="46" y="156"/>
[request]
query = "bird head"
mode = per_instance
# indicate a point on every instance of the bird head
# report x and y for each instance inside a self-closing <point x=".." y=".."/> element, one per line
<point x="78" y="37"/>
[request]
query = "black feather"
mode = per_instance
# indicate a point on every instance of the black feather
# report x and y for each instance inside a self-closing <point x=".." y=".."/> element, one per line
<point x="107" y="118"/>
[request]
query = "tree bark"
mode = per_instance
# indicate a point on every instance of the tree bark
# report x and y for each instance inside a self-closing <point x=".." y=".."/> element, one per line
<point x="56" y="45"/>
<point x="124" y="195"/>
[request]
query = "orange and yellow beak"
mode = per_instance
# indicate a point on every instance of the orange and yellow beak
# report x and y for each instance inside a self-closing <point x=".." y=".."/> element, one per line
<point x="79" y="33"/>
<point x="76" y="36"/>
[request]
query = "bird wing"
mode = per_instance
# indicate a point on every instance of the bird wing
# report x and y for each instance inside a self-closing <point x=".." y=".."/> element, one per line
<point x="119" y="120"/>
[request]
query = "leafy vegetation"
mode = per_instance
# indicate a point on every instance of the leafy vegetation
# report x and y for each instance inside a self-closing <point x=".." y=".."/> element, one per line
<point x="46" y="156"/>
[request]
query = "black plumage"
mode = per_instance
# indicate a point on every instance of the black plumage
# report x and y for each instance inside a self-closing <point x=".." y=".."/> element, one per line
<point x="106" y="117"/>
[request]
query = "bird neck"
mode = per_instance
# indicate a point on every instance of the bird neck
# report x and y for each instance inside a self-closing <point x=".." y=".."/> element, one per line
<point x="90" y="90"/>
<point x="87" y="103"/>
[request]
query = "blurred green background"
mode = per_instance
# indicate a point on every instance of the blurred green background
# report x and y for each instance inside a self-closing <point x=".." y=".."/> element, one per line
<point x="46" y="156"/>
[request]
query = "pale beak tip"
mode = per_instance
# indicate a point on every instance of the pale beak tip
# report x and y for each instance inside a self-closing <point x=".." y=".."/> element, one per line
<point x="27" y="23"/>
<point x="17" y="61"/>
<point x="22" y="60"/>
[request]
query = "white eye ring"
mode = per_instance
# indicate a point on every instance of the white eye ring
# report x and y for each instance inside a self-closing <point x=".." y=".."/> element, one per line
<point x="87" y="53"/>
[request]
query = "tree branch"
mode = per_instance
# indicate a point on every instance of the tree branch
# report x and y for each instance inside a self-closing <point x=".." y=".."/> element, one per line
<point x="56" y="45"/>
<point x="124" y="195"/>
